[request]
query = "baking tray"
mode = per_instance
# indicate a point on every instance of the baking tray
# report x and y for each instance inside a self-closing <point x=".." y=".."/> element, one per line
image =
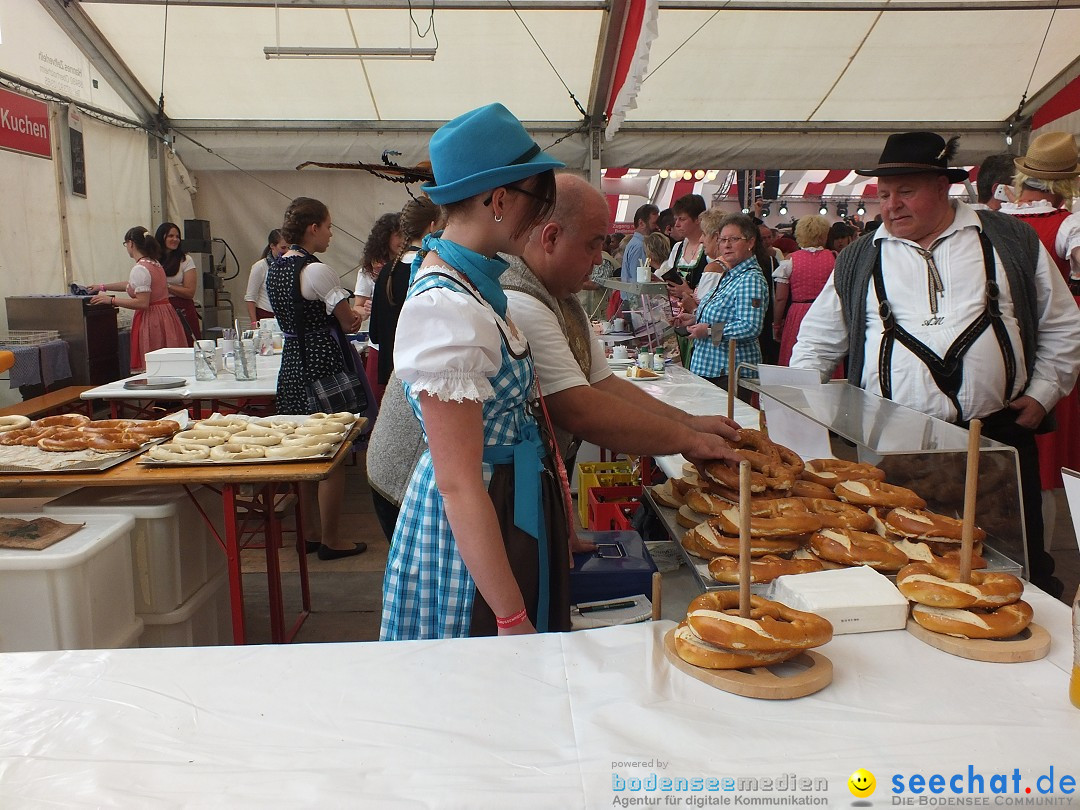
<point x="209" y="462"/>
<point x="995" y="560"/>
<point x="100" y="464"/>
<point x="155" y="383"/>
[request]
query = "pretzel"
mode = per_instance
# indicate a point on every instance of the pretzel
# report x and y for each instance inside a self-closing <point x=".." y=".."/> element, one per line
<point x="201" y="437"/>
<point x="693" y="650"/>
<point x="244" y="438"/>
<point x="689" y="542"/>
<point x="279" y="425"/>
<point x="831" y="471"/>
<point x="303" y="441"/>
<point x="63" y="420"/>
<point x="1004" y="622"/>
<point x="665" y="494"/>
<point x="725" y="568"/>
<point x="343" y="417"/>
<point x="13" y="423"/>
<point x="688" y="518"/>
<point x="231" y="422"/>
<point x="63" y="441"/>
<point x="232" y="452"/>
<point x="256" y="429"/>
<point x="923" y="525"/>
<point x="705" y="503"/>
<point x="877" y="493"/>
<point x="709" y="538"/>
<point x="808" y="489"/>
<point x="114" y="443"/>
<point x="783" y="517"/>
<point x="849" y="547"/>
<point x="774" y="466"/>
<point x="156" y="429"/>
<point x="921" y="552"/>
<point x="839" y="515"/>
<point x="298" y="451"/>
<point x="938" y="585"/>
<point x="714" y="618"/>
<point x="99" y="425"/>
<point x="178" y="452"/>
<point x="333" y="431"/>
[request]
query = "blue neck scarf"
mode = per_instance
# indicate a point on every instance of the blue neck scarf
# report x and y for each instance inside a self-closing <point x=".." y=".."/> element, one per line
<point x="480" y="270"/>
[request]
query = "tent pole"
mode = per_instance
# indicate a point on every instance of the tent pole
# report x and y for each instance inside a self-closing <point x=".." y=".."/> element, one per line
<point x="596" y="140"/>
<point x="159" y="208"/>
<point x="56" y="124"/>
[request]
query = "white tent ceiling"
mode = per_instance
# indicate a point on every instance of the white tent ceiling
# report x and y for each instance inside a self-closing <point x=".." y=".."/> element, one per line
<point x="799" y="84"/>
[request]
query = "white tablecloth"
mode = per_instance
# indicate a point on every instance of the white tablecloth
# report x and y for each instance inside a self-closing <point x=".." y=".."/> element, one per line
<point x="693" y="394"/>
<point x="530" y="722"/>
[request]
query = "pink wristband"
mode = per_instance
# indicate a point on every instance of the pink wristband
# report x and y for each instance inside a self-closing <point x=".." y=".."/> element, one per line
<point x="507" y="622"/>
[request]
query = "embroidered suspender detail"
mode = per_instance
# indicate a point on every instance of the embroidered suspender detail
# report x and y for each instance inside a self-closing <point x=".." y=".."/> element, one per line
<point x="947" y="372"/>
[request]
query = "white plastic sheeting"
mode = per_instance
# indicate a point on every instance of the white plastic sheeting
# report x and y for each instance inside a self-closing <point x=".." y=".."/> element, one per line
<point x="524" y="722"/>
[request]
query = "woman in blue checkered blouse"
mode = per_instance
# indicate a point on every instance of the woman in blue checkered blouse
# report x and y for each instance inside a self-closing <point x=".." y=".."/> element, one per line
<point x="480" y="545"/>
<point x="734" y="308"/>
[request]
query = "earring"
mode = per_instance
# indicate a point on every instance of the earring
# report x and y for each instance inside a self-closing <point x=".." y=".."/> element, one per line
<point x="498" y="218"/>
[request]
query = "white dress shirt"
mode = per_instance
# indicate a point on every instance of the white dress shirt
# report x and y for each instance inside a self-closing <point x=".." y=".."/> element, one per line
<point x="957" y="252"/>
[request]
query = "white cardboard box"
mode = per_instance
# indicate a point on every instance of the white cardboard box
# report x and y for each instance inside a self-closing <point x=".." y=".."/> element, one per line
<point x="855" y="600"/>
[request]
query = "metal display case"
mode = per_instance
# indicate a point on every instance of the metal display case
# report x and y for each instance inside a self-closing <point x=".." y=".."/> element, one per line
<point x="916" y="451"/>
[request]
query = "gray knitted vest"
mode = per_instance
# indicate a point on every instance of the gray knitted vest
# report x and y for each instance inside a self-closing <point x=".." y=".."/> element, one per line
<point x="573" y="322"/>
<point x="1015" y="242"/>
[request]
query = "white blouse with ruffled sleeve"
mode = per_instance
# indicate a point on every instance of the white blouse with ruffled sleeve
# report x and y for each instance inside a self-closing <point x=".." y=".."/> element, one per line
<point x="139" y="279"/>
<point x="449" y="344"/>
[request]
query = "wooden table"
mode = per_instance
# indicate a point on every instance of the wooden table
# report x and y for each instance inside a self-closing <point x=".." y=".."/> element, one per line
<point x="267" y="481"/>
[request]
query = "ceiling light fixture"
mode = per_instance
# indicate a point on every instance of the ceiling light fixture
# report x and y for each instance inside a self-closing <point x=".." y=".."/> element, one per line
<point x="699" y="174"/>
<point x="860" y="210"/>
<point x="765" y="211"/>
<point x="688" y="175"/>
<point x="274" y="52"/>
<point x="842" y="210"/>
<point x="824" y="208"/>
<point x="783" y="208"/>
<point x="663" y="174"/>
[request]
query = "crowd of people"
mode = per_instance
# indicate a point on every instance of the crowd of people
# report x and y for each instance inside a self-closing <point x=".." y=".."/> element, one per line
<point x="479" y="296"/>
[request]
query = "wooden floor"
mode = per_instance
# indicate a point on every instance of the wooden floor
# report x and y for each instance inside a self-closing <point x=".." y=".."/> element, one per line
<point x="346" y="594"/>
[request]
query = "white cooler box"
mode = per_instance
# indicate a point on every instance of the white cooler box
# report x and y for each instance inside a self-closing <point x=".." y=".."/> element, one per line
<point x="73" y="595"/>
<point x="173" y="553"/>
<point x="204" y="620"/>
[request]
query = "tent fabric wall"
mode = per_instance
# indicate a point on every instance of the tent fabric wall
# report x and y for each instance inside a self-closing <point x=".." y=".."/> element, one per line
<point x="242" y="208"/>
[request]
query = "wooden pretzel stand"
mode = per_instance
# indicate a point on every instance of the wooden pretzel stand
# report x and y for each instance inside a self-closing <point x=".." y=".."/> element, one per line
<point x="1033" y="642"/>
<point x="805" y="674"/>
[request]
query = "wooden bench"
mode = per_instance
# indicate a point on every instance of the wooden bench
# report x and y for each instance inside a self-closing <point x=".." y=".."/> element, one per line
<point x="63" y="400"/>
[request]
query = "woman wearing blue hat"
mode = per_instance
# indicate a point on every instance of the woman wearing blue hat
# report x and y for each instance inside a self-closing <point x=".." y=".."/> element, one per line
<point x="480" y="544"/>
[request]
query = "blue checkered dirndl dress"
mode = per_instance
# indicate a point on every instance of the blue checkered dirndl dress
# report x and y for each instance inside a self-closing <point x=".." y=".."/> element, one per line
<point x="428" y="591"/>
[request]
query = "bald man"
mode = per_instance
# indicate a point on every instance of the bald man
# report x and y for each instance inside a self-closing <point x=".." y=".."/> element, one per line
<point x="585" y="400"/>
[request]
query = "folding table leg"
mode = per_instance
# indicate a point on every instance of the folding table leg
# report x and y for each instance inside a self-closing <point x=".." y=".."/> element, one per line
<point x="232" y="557"/>
<point x="272" y="535"/>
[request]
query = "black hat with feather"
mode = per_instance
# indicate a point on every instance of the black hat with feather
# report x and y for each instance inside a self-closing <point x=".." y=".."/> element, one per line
<point x="915" y="153"/>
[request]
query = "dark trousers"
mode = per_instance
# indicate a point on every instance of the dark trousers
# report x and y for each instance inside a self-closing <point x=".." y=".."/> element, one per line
<point x="387" y="513"/>
<point x="1002" y="427"/>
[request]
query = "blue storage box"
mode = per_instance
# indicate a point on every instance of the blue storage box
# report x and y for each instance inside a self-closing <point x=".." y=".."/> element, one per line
<point x="620" y="566"/>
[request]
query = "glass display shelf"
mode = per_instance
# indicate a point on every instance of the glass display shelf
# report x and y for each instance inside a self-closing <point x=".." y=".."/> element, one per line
<point x="916" y="451"/>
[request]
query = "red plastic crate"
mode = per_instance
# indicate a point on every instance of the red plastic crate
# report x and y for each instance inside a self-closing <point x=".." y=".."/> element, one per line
<point x="608" y="507"/>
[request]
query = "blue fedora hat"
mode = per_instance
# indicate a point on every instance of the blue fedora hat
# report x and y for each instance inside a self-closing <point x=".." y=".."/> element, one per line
<point x="481" y="150"/>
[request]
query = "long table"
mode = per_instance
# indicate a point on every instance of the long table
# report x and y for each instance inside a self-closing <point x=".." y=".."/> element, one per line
<point x="260" y="485"/>
<point x="553" y="721"/>
<point x="242" y="396"/>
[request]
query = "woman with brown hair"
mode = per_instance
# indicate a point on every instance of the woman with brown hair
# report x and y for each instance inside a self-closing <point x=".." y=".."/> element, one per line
<point x="181" y="277"/>
<point x="155" y="325"/>
<point x="313" y="312"/>
<point x="480" y="546"/>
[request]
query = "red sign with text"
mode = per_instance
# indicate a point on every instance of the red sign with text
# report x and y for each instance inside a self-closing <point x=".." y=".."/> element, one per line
<point x="24" y="125"/>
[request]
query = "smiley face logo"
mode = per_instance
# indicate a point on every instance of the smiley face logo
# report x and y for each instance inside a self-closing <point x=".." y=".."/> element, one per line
<point x="861" y="783"/>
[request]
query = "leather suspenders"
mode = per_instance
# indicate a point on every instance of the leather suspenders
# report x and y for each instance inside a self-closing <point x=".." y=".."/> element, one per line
<point x="947" y="371"/>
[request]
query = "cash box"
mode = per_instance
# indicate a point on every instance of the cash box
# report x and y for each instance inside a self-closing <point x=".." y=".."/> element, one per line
<point x="620" y="566"/>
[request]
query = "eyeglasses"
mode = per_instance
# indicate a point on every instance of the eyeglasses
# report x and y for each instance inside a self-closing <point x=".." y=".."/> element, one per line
<point x="730" y="240"/>
<point x="526" y="192"/>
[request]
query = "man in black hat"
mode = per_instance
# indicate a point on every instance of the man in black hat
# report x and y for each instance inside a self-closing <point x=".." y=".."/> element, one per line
<point x="952" y="312"/>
